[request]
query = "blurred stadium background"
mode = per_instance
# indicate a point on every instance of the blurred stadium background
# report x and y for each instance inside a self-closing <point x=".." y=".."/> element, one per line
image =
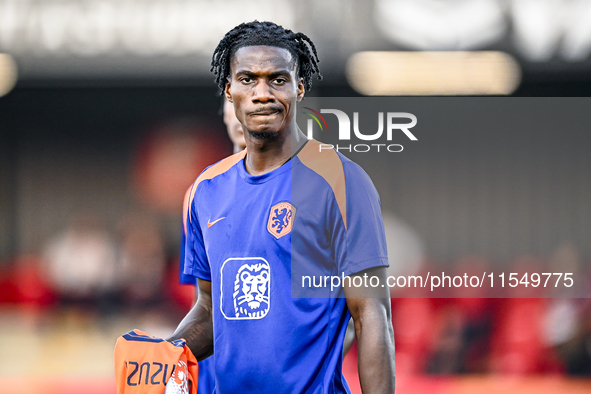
<point x="108" y="112"/>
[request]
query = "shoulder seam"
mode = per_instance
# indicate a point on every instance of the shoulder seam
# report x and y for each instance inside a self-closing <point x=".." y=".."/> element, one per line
<point x="329" y="166"/>
<point x="213" y="171"/>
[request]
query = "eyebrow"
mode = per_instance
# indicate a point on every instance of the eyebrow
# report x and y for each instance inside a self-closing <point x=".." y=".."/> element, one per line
<point x="272" y="75"/>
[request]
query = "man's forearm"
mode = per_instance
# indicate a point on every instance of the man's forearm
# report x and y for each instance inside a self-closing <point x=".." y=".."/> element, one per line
<point x="375" y="341"/>
<point x="197" y="329"/>
<point x="371" y="312"/>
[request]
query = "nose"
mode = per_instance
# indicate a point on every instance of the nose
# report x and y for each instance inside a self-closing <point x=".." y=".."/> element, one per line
<point x="262" y="92"/>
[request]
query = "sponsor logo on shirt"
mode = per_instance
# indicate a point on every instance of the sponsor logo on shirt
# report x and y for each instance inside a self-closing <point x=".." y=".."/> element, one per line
<point x="245" y="285"/>
<point x="209" y="224"/>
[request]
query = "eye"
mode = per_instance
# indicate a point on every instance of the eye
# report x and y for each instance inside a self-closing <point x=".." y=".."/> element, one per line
<point x="245" y="79"/>
<point x="279" y="81"/>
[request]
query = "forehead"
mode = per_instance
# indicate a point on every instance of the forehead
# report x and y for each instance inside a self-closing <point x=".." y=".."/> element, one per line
<point x="262" y="58"/>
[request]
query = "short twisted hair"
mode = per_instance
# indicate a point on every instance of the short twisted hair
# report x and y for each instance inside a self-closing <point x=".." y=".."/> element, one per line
<point x="255" y="33"/>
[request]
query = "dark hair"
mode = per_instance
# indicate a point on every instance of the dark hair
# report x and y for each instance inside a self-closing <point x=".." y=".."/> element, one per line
<point x="265" y="33"/>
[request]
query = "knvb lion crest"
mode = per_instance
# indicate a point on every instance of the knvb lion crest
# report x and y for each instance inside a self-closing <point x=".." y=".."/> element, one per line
<point x="251" y="291"/>
<point x="281" y="219"/>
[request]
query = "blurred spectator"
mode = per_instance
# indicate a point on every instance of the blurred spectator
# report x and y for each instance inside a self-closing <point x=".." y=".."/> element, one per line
<point x="576" y="352"/>
<point x="567" y="323"/>
<point x="462" y="336"/>
<point x="449" y="347"/>
<point x="81" y="263"/>
<point x="142" y="258"/>
<point x="414" y="333"/>
<point x="518" y="338"/>
<point x="462" y="326"/>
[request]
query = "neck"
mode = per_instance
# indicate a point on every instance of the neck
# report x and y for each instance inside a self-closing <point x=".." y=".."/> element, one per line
<point x="266" y="155"/>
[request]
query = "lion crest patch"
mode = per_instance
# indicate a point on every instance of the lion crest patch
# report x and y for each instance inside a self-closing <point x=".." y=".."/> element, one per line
<point x="281" y="219"/>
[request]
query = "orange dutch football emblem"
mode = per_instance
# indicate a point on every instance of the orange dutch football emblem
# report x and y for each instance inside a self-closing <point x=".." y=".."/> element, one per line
<point x="281" y="219"/>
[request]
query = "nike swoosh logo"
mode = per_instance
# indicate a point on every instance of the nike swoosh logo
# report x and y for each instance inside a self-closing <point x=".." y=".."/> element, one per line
<point x="209" y="224"/>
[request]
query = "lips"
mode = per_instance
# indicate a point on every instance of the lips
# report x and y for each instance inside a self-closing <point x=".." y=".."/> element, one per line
<point x="265" y="111"/>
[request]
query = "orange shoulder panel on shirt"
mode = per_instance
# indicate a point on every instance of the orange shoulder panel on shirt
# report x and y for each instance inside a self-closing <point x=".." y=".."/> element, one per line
<point x="212" y="172"/>
<point x="328" y="165"/>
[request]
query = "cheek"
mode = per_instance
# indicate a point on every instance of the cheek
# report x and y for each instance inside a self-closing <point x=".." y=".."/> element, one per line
<point x="290" y="105"/>
<point x="238" y="107"/>
<point x="239" y="117"/>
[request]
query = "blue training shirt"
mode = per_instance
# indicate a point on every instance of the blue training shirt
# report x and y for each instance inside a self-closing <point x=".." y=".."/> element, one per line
<point x="318" y="214"/>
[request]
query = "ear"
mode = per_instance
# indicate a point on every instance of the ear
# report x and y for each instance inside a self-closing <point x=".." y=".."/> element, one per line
<point x="301" y="90"/>
<point x="228" y="91"/>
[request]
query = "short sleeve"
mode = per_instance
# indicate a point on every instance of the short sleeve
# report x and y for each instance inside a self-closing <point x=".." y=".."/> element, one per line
<point x="184" y="278"/>
<point x="196" y="262"/>
<point x="359" y="241"/>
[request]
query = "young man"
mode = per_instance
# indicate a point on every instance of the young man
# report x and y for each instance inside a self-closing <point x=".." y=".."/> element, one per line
<point x="282" y="207"/>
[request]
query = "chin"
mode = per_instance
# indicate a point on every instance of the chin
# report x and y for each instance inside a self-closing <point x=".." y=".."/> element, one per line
<point x="264" y="135"/>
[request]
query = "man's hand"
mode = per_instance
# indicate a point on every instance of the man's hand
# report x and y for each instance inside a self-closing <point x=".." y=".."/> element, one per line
<point x="197" y="327"/>
<point x="370" y="308"/>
